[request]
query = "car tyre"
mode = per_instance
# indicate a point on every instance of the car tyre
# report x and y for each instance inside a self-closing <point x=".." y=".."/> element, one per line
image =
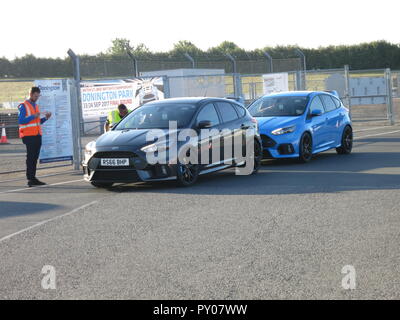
<point x="258" y="155"/>
<point x="305" y="148"/>
<point x="347" y="141"/>
<point x="187" y="174"/>
<point x="101" y="184"/>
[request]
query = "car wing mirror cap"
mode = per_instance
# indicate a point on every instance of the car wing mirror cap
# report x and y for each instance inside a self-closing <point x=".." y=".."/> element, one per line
<point x="316" y="113"/>
<point x="204" y="124"/>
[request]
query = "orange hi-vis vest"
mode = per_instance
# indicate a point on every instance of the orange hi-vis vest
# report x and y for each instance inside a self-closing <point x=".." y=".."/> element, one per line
<point x="32" y="128"/>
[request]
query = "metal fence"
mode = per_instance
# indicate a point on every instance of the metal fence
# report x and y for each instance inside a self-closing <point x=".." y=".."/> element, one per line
<point x="371" y="95"/>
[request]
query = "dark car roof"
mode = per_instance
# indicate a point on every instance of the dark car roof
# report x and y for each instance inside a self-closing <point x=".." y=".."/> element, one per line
<point x="191" y="100"/>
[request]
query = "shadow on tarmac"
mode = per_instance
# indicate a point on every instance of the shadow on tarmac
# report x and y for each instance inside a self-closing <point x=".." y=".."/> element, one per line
<point x="327" y="172"/>
<point x="14" y="208"/>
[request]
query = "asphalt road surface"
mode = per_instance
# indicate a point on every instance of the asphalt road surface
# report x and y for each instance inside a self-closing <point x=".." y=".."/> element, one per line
<point x="285" y="233"/>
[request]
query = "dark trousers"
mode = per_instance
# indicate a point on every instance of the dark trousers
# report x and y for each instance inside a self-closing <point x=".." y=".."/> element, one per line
<point x="33" y="144"/>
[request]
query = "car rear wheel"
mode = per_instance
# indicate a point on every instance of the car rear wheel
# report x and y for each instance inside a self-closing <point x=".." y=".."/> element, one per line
<point x="187" y="174"/>
<point x="305" y="148"/>
<point x="347" y="141"/>
<point x="101" y="184"/>
<point x="258" y="155"/>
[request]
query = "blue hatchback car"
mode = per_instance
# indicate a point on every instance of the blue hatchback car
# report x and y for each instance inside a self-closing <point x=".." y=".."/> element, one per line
<point x="300" y="124"/>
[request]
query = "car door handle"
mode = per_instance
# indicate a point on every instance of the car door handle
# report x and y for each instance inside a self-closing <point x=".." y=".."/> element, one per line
<point x="243" y="126"/>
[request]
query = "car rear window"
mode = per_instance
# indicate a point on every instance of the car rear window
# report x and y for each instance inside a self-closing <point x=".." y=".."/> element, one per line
<point x="328" y="103"/>
<point x="227" y="111"/>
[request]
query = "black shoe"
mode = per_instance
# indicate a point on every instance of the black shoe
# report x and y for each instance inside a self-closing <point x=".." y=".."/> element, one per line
<point x="35" y="182"/>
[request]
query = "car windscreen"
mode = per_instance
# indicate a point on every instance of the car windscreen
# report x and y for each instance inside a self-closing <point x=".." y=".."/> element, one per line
<point x="158" y="116"/>
<point x="280" y="106"/>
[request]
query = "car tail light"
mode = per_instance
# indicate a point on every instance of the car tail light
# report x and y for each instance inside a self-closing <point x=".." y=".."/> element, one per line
<point x="254" y="120"/>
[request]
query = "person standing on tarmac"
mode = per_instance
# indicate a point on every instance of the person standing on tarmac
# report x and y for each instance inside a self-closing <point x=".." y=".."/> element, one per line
<point x="31" y="133"/>
<point x="115" y="116"/>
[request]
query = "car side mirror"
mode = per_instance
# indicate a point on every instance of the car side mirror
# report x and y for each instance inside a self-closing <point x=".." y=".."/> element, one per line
<point x="204" y="124"/>
<point x="315" y="113"/>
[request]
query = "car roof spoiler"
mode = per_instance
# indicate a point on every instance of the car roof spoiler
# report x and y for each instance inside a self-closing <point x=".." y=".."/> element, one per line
<point x="333" y="92"/>
<point x="237" y="99"/>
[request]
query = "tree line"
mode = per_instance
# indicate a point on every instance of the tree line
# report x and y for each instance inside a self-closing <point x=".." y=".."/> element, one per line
<point x="115" y="60"/>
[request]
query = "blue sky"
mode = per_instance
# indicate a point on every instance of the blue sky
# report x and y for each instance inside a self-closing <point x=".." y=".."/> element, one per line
<point x="48" y="28"/>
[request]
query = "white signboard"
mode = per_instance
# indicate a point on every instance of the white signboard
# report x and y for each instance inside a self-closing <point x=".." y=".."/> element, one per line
<point x="275" y="82"/>
<point x="57" y="141"/>
<point x="99" y="98"/>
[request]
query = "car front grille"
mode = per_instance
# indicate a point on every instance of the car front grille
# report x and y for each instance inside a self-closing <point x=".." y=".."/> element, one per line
<point x="267" y="142"/>
<point x="116" y="176"/>
<point x="114" y="154"/>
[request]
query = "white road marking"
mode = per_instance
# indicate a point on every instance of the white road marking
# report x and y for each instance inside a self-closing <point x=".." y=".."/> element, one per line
<point x="45" y="186"/>
<point x="46" y="221"/>
<point x="377" y="134"/>
<point x="370" y="129"/>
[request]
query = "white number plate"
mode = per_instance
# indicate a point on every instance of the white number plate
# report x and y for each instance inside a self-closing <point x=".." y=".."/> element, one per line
<point x="115" y="162"/>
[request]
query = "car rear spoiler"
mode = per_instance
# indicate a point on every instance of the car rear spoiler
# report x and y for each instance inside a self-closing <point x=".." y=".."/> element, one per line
<point x="237" y="99"/>
<point x="333" y="92"/>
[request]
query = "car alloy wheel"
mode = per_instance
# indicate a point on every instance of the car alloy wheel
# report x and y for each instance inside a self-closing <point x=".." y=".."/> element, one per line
<point x="347" y="141"/>
<point x="187" y="174"/>
<point x="257" y="156"/>
<point x="305" y="148"/>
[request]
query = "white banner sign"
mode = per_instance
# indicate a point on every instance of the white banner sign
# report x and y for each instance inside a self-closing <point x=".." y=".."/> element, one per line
<point x="99" y="98"/>
<point x="275" y="82"/>
<point x="57" y="141"/>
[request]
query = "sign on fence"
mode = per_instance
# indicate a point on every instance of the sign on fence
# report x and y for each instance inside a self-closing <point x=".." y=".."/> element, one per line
<point x="57" y="142"/>
<point x="275" y="82"/>
<point x="99" y="98"/>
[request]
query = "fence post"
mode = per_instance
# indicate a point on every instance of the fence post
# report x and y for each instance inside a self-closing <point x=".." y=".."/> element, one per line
<point x="167" y="93"/>
<point x="389" y="96"/>
<point x="347" y="93"/>
<point x="237" y="80"/>
<point x="304" y="67"/>
<point x="76" y="112"/>
<point x="299" y="81"/>
<point x="189" y="57"/>
<point x="135" y="63"/>
<point x="271" y="66"/>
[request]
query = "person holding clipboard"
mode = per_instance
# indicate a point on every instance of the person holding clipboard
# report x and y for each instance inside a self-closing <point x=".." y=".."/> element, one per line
<point x="30" y="132"/>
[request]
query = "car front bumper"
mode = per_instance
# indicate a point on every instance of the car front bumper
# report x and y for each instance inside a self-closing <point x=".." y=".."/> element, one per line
<point x="137" y="170"/>
<point x="280" y="147"/>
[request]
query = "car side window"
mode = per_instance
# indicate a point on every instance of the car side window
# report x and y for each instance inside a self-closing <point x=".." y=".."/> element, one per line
<point x="328" y="102"/>
<point x="337" y="102"/>
<point x="228" y="112"/>
<point x="208" y="113"/>
<point x="240" y="110"/>
<point x="316" y="104"/>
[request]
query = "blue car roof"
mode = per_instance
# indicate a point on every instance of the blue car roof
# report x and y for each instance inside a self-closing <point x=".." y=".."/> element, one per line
<point x="296" y="93"/>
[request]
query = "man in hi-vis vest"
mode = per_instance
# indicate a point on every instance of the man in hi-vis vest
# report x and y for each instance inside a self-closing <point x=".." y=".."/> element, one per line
<point x="115" y="116"/>
<point x="31" y="133"/>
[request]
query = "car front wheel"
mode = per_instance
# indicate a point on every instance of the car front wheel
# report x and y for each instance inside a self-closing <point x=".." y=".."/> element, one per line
<point x="187" y="174"/>
<point x="305" y="148"/>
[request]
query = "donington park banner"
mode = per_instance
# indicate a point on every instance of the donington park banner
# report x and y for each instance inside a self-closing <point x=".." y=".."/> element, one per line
<point x="99" y="98"/>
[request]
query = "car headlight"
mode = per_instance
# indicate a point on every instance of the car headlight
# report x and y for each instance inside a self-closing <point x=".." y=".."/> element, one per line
<point x="90" y="148"/>
<point x="280" y="131"/>
<point x="154" y="147"/>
